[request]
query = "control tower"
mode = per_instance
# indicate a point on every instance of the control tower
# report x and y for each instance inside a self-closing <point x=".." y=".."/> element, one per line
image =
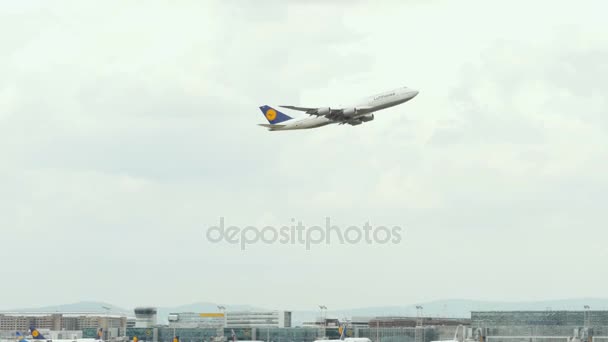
<point x="145" y="317"/>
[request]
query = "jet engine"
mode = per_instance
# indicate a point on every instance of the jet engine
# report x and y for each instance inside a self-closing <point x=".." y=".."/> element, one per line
<point x="366" y="117"/>
<point x="324" y="111"/>
<point x="349" y="112"/>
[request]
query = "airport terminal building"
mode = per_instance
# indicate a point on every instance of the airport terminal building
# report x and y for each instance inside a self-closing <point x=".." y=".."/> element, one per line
<point x="113" y="325"/>
<point x="22" y="321"/>
<point x="540" y="326"/>
<point x="230" y="319"/>
<point x="483" y="326"/>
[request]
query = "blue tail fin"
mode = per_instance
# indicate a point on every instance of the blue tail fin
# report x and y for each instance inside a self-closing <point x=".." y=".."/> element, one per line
<point x="342" y="331"/>
<point x="20" y="337"/>
<point x="274" y="116"/>
<point x="36" y="334"/>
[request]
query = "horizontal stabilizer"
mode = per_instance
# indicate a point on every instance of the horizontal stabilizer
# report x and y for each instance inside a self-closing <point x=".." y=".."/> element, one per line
<point x="271" y="126"/>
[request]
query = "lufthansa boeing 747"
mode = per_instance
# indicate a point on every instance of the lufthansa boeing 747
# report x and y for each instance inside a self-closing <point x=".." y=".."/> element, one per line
<point x="322" y="116"/>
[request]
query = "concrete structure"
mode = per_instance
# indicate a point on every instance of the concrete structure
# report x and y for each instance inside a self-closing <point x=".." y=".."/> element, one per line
<point x="146" y="317"/>
<point x="403" y="321"/>
<point x="252" y="319"/>
<point x="300" y="334"/>
<point x="22" y="321"/>
<point x="324" y="323"/>
<point x="540" y="326"/>
<point x="230" y="319"/>
<point x="272" y="334"/>
<point x="17" y="321"/>
<point x="213" y="320"/>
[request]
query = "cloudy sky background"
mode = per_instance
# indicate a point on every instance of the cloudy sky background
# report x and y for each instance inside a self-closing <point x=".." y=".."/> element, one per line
<point x="127" y="129"/>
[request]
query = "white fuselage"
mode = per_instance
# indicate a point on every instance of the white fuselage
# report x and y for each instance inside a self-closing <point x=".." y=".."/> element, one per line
<point x="365" y="107"/>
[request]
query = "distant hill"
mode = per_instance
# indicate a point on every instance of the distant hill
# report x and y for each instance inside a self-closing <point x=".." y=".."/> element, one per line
<point x="87" y="306"/>
<point x="457" y="308"/>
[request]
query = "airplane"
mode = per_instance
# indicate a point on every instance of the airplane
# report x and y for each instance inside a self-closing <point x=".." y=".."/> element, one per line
<point x="322" y="116"/>
<point x="36" y="335"/>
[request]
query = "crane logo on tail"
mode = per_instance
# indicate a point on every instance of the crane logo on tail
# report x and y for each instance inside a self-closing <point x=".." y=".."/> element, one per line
<point x="271" y="114"/>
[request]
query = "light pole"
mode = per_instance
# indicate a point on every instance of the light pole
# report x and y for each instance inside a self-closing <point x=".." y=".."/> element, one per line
<point x="222" y="309"/>
<point x="419" y="314"/>
<point x="107" y="328"/>
<point x="419" y="333"/>
<point x="323" y="313"/>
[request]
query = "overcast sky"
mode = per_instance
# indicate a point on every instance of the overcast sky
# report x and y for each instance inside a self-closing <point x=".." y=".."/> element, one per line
<point x="128" y="128"/>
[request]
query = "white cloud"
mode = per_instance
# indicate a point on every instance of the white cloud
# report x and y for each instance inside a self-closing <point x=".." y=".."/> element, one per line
<point x="125" y="130"/>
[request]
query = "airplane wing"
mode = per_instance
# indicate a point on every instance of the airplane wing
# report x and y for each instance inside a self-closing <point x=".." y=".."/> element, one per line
<point x="336" y="115"/>
<point x="314" y="111"/>
<point x="302" y="109"/>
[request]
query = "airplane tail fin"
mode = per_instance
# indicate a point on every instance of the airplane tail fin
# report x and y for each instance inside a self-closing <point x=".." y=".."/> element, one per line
<point x="100" y="333"/>
<point x="36" y="334"/>
<point x="20" y="337"/>
<point x="342" y="331"/>
<point x="274" y="116"/>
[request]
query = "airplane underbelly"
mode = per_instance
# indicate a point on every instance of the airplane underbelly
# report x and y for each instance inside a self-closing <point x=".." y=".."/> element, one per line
<point x="315" y="123"/>
<point x="320" y="124"/>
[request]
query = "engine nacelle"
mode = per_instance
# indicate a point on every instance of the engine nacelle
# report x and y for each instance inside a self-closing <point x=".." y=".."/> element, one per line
<point x="349" y="112"/>
<point x="366" y="117"/>
<point x="324" y="111"/>
<point x="355" y="122"/>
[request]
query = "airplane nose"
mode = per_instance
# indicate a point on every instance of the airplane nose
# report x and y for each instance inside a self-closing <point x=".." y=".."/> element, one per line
<point x="414" y="92"/>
